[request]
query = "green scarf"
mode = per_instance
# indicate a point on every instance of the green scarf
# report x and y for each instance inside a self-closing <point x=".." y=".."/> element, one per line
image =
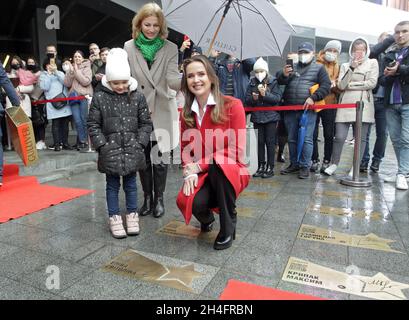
<point x="149" y="47"/>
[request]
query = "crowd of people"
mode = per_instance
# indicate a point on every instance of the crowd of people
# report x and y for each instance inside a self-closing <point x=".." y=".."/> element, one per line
<point x="127" y="104"/>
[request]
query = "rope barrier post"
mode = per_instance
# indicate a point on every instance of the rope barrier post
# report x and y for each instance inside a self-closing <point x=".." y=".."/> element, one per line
<point x="356" y="181"/>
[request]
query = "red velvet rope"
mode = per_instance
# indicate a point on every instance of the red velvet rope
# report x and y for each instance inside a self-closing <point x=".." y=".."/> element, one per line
<point x="34" y="103"/>
<point x="288" y="108"/>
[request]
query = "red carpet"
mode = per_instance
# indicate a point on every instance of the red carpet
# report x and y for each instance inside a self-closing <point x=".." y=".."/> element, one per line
<point x="20" y="196"/>
<point x="237" y="290"/>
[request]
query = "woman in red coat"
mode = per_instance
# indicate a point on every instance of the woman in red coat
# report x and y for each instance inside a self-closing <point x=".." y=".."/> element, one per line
<point x="213" y="143"/>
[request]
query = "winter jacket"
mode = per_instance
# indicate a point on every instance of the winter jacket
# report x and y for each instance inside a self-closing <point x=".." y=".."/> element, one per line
<point x="80" y="80"/>
<point x="53" y="85"/>
<point x="97" y="85"/>
<point x="402" y="74"/>
<point x="6" y="84"/>
<point x="272" y="98"/>
<point x="119" y="126"/>
<point x="333" y="73"/>
<point x="299" y="82"/>
<point x="159" y="84"/>
<point x="357" y="85"/>
<point x="241" y="76"/>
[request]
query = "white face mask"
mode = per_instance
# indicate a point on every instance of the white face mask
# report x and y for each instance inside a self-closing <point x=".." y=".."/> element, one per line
<point x="330" y="56"/>
<point x="261" y="75"/>
<point x="305" y="58"/>
<point x="65" y="67"/>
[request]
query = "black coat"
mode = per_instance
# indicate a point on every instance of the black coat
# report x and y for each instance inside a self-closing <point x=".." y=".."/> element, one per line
<point x="119" y="126"/>
<point x="97" y="85"/>
<point x="402" y="75"/>
<point x="272" y="98"/>
<point x="298" y="84"/>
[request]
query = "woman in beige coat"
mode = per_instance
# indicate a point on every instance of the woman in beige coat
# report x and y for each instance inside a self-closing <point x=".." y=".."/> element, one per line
<point x="78" y="78"/>
<point x="153" y="61"/>
<point x="356" y="80"/>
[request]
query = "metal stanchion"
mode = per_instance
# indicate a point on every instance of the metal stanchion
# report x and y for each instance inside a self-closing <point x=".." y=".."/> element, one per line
<point x="356" y="181"/>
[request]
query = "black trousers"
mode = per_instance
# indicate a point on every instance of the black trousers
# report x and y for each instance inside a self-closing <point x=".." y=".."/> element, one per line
<point x="217" y="191"/>
<point x="266" y="137"/>
<point x="153" y="178"/>
<point x="59" y="129"/>
<point x="328" y="123"/>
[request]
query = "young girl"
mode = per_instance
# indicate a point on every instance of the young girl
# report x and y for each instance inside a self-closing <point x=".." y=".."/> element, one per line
<point x="119" y="125"/>
<point x="263" y="90"/>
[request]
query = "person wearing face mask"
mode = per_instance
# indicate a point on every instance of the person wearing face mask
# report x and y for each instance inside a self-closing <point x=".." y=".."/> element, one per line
<point x="26" y="82"/>
<point x="298" y="80"/>
<point x="263" y="90"/>
<point x="38" y="112"/>
<point x="329" y="59"/>
<point x="357" y="79"/>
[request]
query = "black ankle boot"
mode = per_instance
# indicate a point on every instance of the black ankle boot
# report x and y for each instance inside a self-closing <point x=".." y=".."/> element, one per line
<point x="269" y="172"/>
<point x="147" y="206"/>
<point x="260" y="170"/>
<point x="160" y="172"/>
<point x="158" y="207"/>
<point x="222" y="243"/>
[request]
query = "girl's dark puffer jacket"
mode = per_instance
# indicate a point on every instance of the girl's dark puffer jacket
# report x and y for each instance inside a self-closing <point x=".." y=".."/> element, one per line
<point x="119" y="126"/>
<point x="272" y="98"/>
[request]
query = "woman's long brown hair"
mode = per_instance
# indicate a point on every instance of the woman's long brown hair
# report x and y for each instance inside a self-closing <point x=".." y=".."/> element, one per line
<point x="218" y="114"/>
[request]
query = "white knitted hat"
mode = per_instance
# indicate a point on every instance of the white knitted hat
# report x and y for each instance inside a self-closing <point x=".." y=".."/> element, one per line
<point x="117" y="67"/>
<point x="261" y="64"/>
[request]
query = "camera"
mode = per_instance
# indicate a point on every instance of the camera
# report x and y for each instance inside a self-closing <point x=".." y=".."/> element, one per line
<point x="392" y="64"/>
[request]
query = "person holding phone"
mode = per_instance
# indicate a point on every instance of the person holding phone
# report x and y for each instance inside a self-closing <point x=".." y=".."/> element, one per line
<point x="357" y="79"/>
<point x="298" y="80"/>
<point x="263" y="90"/>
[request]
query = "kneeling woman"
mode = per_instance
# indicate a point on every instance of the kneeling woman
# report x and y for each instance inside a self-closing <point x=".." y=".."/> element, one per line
<point x="213" y="143"/>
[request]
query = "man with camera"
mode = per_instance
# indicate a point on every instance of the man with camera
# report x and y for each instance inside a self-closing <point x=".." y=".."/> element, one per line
<point x="396" y="81"/>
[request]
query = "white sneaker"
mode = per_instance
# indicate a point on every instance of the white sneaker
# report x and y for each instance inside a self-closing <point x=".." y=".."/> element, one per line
<point x="331" y="169"/>
<point x="132" y="224"/>
<point x="391" y="178"/>
<point x="401" y="183"/>
<point x="39" y="145"/>
<point x="116" y="226"/>
<point x="44" y="145"/>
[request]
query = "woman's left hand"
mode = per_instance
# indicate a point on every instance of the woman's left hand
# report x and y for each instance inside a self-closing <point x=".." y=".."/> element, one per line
<point x="190" y="185"/>
<point x="191" y="168"/>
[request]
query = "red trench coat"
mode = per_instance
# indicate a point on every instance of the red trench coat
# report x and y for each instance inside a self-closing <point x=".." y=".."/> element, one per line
<point x="228" y="153"/>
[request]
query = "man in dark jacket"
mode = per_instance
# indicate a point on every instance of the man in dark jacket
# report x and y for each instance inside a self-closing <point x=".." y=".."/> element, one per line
<point x="298" y="91"/>
<point x="396" y="81"/>
<point x="96" y="79"/>
<point x="15" y="101"/>
<point x="234" y="76"/>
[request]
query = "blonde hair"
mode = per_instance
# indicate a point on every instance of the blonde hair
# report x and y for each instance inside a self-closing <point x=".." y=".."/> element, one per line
<point x="218" y="114"/>
<point x="148" y="10"/>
